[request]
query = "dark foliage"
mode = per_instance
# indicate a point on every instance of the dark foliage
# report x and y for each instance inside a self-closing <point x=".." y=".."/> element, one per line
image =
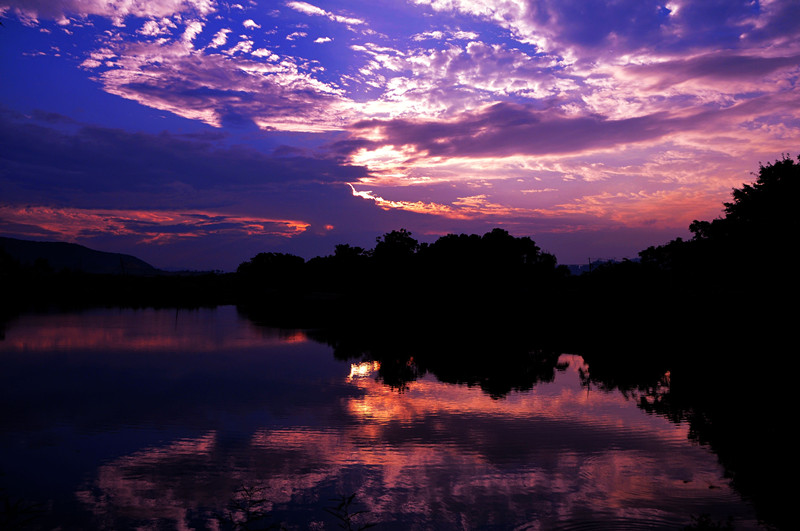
<point x="497" y="359"/>
<point x="748" y="248"/>
<point x="718" y="311"/>
<point x="270" y="264"/>
<point x="395" y="248"/>
<point x="732" y="275"/>
<point x="458" y="277"/>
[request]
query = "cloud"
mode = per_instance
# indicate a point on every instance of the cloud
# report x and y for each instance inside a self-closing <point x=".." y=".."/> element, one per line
<point x="220" y="38"/>
<point x="309" y="9"/>
<point x="296" y="35"/>
<point x="279" y="93"/>
<point x="443" y="81"/>
<point x="154" y="28"/>
<point x="445" y="124"/>
<point x="63" y="164"/>
<point x="726" y="71"/>
<point x="506" y="129"/>
<point x="263" y="52"/>
<point x="193" y="29"/>
<point x="64" y="180"/>
<point x="90" y="63"/>
<point x="243" y="46"/>
<point x="419" y="207"/>
<point x="616" y="28"/>
<point x="116" y="10"/>
<point x="145" y="226"/>
<point x="445" y="35"/>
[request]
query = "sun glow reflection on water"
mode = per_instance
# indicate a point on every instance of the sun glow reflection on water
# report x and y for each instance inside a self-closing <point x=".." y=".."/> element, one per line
<point x="164" y="441"/>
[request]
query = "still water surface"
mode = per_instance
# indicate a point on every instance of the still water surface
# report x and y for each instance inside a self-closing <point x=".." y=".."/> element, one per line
<point x="158" y="419"/>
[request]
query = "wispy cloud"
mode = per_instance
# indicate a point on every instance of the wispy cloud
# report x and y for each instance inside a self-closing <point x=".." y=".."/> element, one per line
<point x="506" y="129"/>
<point x="143" y="226"/>
<point x="445" y="35"/>
<point x="309" y="9"/>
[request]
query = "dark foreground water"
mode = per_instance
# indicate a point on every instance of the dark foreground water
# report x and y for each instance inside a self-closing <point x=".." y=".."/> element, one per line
<point x="165" y="419"/>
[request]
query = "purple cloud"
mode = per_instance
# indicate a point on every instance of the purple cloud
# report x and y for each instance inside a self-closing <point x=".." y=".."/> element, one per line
<point x="506" y="129"/>
<point x="274" y="93"/>
<point x="621" y="27"/>
<point x="116" y="10"/>
<point x="90" y="159"/>
<point x="719" y="68"/>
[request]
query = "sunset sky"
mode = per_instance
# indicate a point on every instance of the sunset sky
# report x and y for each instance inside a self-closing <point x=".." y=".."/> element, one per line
<point x="197" y="133"/>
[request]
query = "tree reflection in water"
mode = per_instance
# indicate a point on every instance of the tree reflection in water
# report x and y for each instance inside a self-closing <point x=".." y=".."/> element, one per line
<point x="486" y="430"/>
<point x="730" y="406"/>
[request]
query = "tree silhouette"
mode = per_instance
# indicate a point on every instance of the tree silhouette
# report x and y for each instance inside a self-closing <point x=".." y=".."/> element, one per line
<point x="270" y="272"/>
<point x="762" y="212"/>
<point x="758" y="229"/>
<point x="271" y="264"/>
<point x="394" y="246"/>
<point x="347" y="253"/>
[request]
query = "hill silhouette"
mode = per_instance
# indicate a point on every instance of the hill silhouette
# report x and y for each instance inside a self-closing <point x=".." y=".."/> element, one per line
<point x="43" y="275"/>
<point x="60" y="256"/>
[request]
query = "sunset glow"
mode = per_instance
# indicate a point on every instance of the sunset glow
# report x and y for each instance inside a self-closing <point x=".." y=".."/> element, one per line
<point x="159" y="227"/>
<point x="175" y="129"/>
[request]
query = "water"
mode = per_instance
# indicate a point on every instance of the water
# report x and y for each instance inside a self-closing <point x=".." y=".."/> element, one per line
<point x="163" y="419"/>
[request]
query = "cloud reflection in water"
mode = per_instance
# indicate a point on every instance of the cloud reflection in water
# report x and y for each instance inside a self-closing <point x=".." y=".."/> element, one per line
<point x="164" y="415"/>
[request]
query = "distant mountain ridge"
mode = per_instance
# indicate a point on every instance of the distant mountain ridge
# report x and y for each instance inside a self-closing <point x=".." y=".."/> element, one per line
<point x="71" y="256"/>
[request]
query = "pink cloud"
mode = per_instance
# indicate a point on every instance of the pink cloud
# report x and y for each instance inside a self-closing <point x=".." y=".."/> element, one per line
<point x="276" y="93"/>
<point x="617" y="28"/>
<point x="506" y="129"/>
<point x="309" y="9"/>
<point x="724" y="71"/>
<point x="278" y="459"/>
<point x="116" y="10"/>
<point x="145" y="226"/>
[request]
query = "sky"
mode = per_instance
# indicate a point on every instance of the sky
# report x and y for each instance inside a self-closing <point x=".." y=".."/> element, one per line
<point x="197" y="133"/>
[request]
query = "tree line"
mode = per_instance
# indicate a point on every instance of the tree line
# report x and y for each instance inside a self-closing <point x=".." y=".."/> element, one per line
<point x="399" y="261"/>
<point x="737" y="268"/>
<point x="740" y="260"/>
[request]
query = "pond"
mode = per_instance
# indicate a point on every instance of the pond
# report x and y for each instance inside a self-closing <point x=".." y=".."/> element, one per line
<point x="202" y="419"/>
